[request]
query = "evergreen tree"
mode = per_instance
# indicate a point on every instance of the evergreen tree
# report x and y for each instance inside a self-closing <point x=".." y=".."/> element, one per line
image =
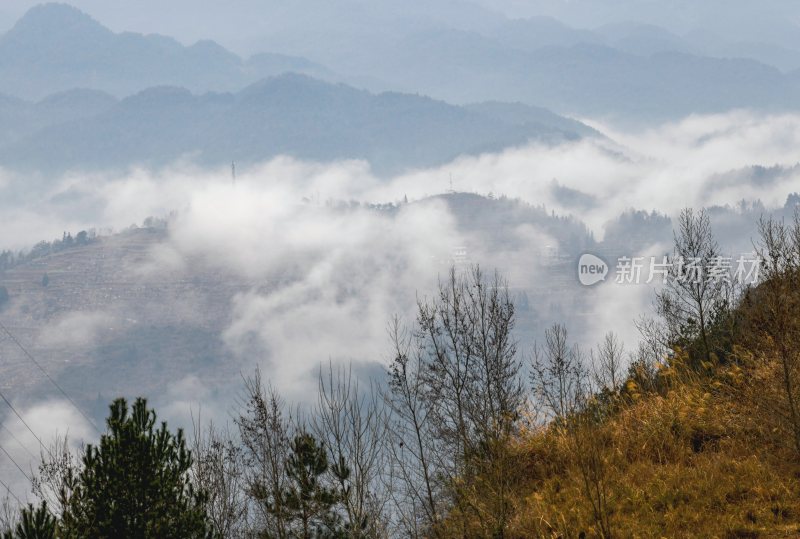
<point x="310" y="504"/>
<point x="135" y="483"/>
<point x="35" y="523"/>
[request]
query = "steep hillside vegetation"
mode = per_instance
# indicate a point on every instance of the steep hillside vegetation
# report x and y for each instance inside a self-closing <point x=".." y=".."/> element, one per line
<point x="700" y="438"/>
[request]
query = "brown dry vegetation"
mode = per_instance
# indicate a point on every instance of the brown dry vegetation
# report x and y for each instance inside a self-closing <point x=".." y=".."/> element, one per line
<point x="688" y="448"/>
<point x="702" y="457"/>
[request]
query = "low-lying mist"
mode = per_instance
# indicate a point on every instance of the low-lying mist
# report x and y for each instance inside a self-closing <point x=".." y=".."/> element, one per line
<point x="323" y="255"/>
<point x="695" y="162"/>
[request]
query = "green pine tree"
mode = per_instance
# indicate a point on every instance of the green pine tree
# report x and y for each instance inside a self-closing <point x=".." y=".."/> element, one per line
<point x="135" y="483"/>
<point x="310" y="504"/>
<point x="35" y="523"/>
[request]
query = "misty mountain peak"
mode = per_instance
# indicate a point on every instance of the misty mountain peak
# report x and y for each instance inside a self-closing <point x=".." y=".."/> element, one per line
<point x="56" y="47"/>
<point x="56" y="19"/>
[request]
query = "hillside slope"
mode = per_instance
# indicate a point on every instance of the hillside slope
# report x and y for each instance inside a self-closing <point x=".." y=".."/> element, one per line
<point x="698" y="436"/>
<point x="131" y="313"/>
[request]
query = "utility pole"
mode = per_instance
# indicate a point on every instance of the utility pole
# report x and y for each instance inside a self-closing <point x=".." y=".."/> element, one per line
<point x="233" y="172"/>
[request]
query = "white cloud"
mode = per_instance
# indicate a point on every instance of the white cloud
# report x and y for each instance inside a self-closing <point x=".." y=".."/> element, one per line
<point x="76" y="328"/>
<point x="49" y="420"/>
<point x="322" y="282"/>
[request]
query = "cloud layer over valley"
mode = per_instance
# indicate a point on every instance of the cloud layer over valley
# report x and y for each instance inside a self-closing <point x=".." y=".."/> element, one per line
<point x="300" y="263"/>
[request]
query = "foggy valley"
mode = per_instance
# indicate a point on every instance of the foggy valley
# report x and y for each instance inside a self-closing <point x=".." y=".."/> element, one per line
<point x="275" y="189"/>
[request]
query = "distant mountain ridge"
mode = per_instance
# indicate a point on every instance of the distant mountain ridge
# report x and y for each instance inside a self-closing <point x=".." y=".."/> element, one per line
<point x="291" y="114"/>
<point x="56" y="47"/>
<point x="585" y="79"/>
<point x="629" y="71"/>
<point x="19" y="118"/>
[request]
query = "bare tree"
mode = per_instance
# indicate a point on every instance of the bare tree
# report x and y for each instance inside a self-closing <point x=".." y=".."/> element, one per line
<point x="352" y="425"/>
<point x="607" y="363"/>
<point x="265" y="432"/>
<point x="695" y="295"/>
<point x="459" y="371"/>
<point x="469" y="355"/>
<point x="414" y="485"/>
<point x="218" y="469"/>
<point x="562" y="389"/>
<point x="55" y="478"/>
<point x="558" y="376"/>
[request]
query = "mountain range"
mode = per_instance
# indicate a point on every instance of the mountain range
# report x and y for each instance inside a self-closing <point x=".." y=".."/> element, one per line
<point x="584" y="79"/>
<point x="55" y="48"/>
<point x="628" y="71"/>
<point x="290" y="114"/>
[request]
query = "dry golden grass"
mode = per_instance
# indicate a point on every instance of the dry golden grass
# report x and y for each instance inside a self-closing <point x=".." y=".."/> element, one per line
<point x="698" y="459"/>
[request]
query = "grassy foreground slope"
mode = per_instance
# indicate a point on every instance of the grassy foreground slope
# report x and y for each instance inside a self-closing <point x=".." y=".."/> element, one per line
<point x="697" y="458"/>
<point x="703" y="441"/>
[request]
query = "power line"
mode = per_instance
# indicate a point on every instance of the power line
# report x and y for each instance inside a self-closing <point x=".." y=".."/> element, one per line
<point x="9" y="491"/>
<point x="30" y="356"/>
<point x="3" y="449"/>
<point x="18" y="442"/>
<point x="24" y="423"/>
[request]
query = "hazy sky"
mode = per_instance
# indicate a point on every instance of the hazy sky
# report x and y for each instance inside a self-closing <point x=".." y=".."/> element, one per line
<point x="186" y="20"/>
<point x="237" y="23"/>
